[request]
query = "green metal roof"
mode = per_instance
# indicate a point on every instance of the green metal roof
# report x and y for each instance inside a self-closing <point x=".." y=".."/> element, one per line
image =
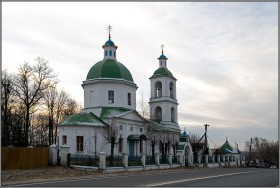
<point x="162" y="71"/>
<point x="226" y="147"/>
<point x="109" y="68"/>
<point x="154" y="126"/>
<point x="84" y="119"/>
<point x="108" y="112"/>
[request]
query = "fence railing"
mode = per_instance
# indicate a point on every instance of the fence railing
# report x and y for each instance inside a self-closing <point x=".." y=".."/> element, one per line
<point x="24" y="158"/>
<point x="163" y="160"/>
<point x="150" y="160"/>
<point x="134" y="161"/>
<point x="176" y="159"/>
<point x="116" y="161"/>
<point x="84" y="160"/>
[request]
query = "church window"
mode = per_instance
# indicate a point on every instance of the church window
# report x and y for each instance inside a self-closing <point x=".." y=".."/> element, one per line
<point x="160" y="63"/>
<point x="131" y="128"/>
<point x="141" y="130"/>
<point x="80" y="143"/>
<point x="141" y="145"/>
<point x="114" y="54"/>
<point x="172" y="114"/>
<point x="120" y="145"/>
<point x="64" y="140"/>
<point x="110" y="96"/>
<point x="110" y="53"/>
<point x="121" y="127"/>
<point x="158" y="114"/>
<point x="171" y="89"/>
<point x="158" y="91"/>
<point x="105" y="53"/>
<point x="129" y="99"/>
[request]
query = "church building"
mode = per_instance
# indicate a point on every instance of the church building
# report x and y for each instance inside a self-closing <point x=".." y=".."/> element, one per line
<point x="110" y="111"/>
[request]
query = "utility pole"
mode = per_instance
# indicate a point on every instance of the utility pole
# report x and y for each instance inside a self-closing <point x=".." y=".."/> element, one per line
<point x="250" y="149"/>
<point x="205" y="142"/>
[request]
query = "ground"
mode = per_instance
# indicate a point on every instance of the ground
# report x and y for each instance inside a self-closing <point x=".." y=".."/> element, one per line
<point x="10" y="177"/>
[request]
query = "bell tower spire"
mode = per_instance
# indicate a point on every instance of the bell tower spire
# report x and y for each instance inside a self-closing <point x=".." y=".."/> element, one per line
<point x="162" y="58"/>
<point x="109" y="47"/>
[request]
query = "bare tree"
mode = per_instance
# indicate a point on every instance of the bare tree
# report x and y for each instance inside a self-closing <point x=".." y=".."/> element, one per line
<point x="50" y="99"/>
<point x="31" y="82"/>
<point x="174" y="139"/>
<point x="111" y="135"/>
<point x="197" y="145"/>
<point x="143" y="107"/>
<point x="267" y="151"/>
<point x="6" y="100"/>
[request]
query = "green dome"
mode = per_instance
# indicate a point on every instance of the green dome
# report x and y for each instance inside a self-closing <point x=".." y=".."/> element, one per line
<point x="109" y="68"/>
<point x="162" y="71"/>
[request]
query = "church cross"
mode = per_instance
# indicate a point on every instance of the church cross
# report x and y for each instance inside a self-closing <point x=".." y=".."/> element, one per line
<point x="109" y="28"/>
<point x="162" y="46"/>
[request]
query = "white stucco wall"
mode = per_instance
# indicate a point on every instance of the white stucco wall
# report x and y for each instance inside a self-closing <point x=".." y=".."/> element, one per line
<point x="96" y="94"/>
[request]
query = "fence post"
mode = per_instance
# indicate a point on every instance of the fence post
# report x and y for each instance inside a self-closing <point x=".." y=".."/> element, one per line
<point x="64" y="150"/>
<point x="125" y="160"/>
<point x="144" y="161"/>
<point x="206" y="161"/>
<point x="53" y="154"/>
<point x="157" y="159"/>
<point x="102" y="160"/>
<point x="170" y="159"/>
<point x="199" y="159"/>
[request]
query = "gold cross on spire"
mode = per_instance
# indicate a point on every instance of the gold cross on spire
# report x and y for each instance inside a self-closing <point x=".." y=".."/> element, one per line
<point x="109" y="28"/>
<point x="162" y="46"/>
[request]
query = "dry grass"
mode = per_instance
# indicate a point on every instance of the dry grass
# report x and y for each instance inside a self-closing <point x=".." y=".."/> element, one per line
<point x="9" y="177"/>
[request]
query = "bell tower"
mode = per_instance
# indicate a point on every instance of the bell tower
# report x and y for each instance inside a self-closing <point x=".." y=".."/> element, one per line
<point x="163" y="101"/>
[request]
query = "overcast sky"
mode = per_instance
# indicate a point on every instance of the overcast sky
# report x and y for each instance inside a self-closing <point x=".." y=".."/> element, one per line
<point x="224" y="55"/>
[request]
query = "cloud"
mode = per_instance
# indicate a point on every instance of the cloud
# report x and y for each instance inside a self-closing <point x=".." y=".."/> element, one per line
<point x="224" y="55"/>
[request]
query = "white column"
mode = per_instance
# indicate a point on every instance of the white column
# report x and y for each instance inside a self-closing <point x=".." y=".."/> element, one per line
<point x="170" y="159"/>
<point x="64" y="150"/>
<point x="53" y="154"/>
<point x="102" y="160"/>
<point x="125" y="160"/>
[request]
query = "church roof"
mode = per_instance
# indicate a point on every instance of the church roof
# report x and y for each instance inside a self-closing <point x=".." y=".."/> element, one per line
<point x="162" y="71"/>
<point x="154" y="126"/>
<point x="108" y="112"/>
<point x="109" y="68"/>
<point x="162" y="57"/>
<point x="84" y="119"/>
<point x="227" y="148"/>
<point x="109" y="42"/>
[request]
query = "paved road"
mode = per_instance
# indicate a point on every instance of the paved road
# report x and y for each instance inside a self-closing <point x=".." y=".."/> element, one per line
<point x="231" y="177"/>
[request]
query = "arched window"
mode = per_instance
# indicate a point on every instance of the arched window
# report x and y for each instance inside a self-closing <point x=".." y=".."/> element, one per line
<point x="158" y="114"/>
<point x="110" y="53"/>
<point x="171" y="89"/>
<point x="158" y="89"/>
<point x="172" y="114"/>
<point x="106" y="53"/>
<point x="114" y="54"/>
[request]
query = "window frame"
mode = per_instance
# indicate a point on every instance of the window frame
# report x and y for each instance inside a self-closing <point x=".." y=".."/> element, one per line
<point x="80" y="143"/>
<point x="129" y="99"/>
<point x="111" y="96"/>
<point x="64" y="139"/>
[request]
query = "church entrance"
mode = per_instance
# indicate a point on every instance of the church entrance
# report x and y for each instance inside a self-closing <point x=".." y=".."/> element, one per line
<point x="187" y="155"/>
<point x="131" y="147"/>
